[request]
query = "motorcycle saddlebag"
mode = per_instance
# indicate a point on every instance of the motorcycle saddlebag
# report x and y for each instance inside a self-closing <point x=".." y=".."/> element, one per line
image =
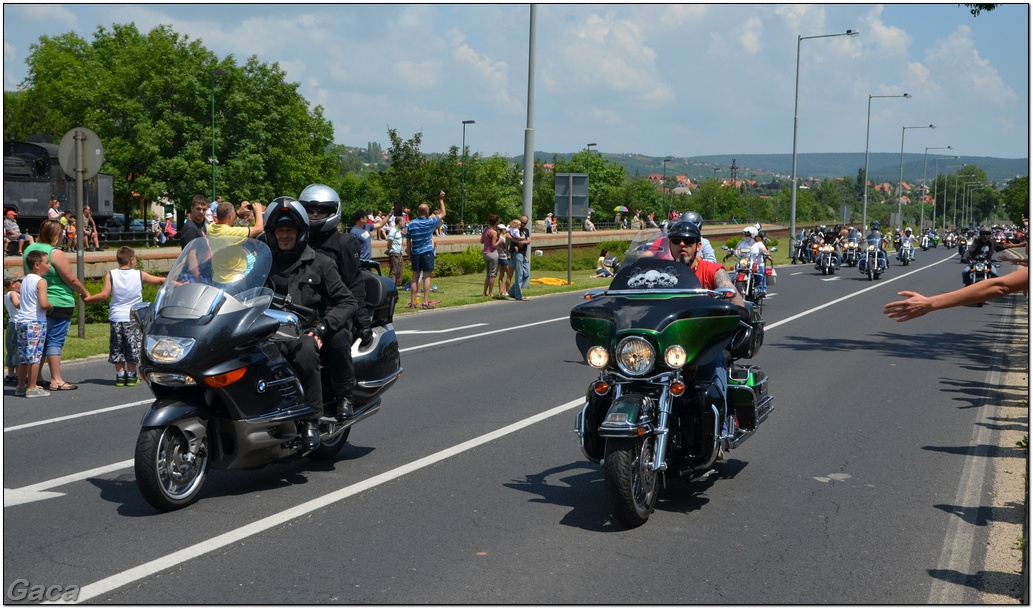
<point x="748" y="395"/>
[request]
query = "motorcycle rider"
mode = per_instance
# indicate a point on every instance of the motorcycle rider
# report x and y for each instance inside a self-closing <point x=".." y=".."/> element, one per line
<point x="684" y="239"/>
<point x="983" y="246"/>
<point x="908" y="238"/>
<point x="706" y="250"/>
<point x="830" y="236"/>
<point x="311" y="280"/>
<point x="323" y="206"/>
<point x="875" y="237"/>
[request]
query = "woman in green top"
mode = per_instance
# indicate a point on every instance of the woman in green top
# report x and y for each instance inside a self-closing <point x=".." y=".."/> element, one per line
<point x="62" y="286"/>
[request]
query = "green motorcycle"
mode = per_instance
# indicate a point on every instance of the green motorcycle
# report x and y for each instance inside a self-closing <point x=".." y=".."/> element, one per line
<point x="656" y="412"/>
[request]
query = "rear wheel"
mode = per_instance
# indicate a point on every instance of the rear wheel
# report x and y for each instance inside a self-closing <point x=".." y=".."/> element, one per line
<point x="631" y="485"/>
<point x="328" y="449"/>
<point x="168" y="475"/>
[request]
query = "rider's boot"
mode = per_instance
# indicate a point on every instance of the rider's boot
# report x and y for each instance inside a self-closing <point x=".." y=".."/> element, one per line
<point x="345" y="408"/>
<point x="309" y="434"/>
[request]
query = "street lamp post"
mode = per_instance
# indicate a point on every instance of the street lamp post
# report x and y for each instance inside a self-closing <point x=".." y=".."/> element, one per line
<point x="925" y="172"/>
<point x="936" y="183"/>
<point x="213" y="160"/>
<point x="900" y="180"/>
<point x="462" y="181"/>
<point x="589" y="146"/>
<point x="946" y="183"/>
<point x="867" y="137"/>
<point x="796" y="115"/>
<point x="968" y="198"/>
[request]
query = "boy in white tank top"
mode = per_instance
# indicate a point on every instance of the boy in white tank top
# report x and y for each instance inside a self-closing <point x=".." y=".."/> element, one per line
<point x="124" y="286"/>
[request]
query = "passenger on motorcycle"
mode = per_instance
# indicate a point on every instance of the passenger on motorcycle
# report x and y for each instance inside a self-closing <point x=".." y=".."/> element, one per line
<point x="323" y="206"/>
<point x="706" y="250"/>
<point x="758" y="254"/>
<point x="908" y="238"/>
<point x="311" y="280"/>
<point x="684" y="238"/>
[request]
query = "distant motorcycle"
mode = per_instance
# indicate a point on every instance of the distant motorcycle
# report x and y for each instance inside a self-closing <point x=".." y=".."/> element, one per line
<point x="906" y="253"/>
<point x="871" y="262"/>
<point x="746" y="275"/>
<point x="851" y="252"/>
<point x="826" y="260"/>
<point x="927" y="242"/>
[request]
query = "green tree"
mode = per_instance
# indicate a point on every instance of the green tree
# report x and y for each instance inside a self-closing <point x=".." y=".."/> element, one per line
<point x="148" y="98"/>
<point x="406" y="177"/>
<point x="1016" y="199"/>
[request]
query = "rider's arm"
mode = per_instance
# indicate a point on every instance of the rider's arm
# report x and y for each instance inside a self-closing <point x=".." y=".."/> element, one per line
<point x="917" y="305"/>
<point x="722" y="280"/>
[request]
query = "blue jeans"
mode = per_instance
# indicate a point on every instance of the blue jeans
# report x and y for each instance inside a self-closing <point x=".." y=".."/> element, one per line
<point x="525" y="264"/>
<point x="519" y="278"/>
<point x="57" y="330"/>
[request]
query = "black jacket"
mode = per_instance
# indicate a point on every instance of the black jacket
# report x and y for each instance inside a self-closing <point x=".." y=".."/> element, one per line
<point x="344" y="249"/>
<point x="312" y="281"/>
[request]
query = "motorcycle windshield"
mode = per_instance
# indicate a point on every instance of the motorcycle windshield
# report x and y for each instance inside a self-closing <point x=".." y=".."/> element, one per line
<point x="648" y="243"/>
<point x="215" y="276"/>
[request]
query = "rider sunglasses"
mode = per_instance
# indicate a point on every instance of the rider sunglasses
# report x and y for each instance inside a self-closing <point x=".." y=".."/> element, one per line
<point x="316" y="207"/>
<point x="684" y="241"/>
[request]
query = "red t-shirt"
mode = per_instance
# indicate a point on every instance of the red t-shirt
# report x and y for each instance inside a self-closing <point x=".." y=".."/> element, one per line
<point x="706" y="271"/>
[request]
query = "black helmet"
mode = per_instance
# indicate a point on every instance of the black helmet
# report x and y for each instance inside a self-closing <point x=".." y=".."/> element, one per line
<point x="286" y="211"/>
<point x="327" y="200"/>
<point x="684" y="228"/>
<point x="876" y="225"/>
<point x="695" y="218"/>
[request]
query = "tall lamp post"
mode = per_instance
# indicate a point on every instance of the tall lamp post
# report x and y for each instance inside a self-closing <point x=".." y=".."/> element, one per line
<point x="796" y="115"/>
<point x="967" y="197"/>
<point x="589" y="146"/>
<point x="925" y="172"/>
<point x="867" y="137"/>
<point x="462" y="180"/>
<point x="936" y="183"/>
<point x="213" y="160"/>
<point x="900" y="190"/>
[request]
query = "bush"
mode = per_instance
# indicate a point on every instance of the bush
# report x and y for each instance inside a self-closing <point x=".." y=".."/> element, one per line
<point x="468" y="262"/>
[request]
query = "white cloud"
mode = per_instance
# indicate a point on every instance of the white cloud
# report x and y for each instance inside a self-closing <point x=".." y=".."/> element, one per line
<point x="45" y="12"/>
<point x="750" y="36"/>
<point x="606" y="117"/>
<point x="611" y="54"/>
<point x="887" y="40"/>
<point x="963" y="69"/>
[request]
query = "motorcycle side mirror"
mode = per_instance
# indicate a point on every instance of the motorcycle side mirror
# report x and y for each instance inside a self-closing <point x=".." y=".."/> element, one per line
<point x="141" y="313"/>
<point x="726" y="292"/>
<point x="774" y="249"/>
<point x="724" y="247"/>
<point x="289" y="329"/>
<point x="590" y="294"/>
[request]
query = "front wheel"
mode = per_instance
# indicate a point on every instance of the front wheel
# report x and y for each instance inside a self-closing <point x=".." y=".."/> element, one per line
<point x="631" y="485"/>
<point x="168" y="475"/>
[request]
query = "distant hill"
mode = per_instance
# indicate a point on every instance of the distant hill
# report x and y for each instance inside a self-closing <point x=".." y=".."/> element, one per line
<point x="882" y="166"/>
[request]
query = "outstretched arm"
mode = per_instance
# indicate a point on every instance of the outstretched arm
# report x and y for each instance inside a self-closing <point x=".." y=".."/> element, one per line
<point x="917" y="305"/>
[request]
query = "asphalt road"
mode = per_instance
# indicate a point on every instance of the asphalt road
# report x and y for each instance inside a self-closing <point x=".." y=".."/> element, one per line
<point x="865" y="485"/>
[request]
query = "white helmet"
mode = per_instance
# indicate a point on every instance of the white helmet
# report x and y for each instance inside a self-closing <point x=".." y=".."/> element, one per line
<point x="323" y="197"/>
<point x="751" y="231"/>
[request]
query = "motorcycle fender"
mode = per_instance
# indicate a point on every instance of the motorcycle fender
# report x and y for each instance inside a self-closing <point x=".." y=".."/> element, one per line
<point x="189" y="418"/>
<point x="622" y="419"/>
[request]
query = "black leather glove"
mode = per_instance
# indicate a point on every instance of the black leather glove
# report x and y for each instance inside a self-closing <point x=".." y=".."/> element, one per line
<point x="365" y="336"/>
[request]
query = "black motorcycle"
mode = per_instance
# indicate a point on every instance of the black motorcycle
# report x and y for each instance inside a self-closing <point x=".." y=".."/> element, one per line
<point x="225" y="398"/>
<point x="651" y="415"/>
<point x="980" y="267"/>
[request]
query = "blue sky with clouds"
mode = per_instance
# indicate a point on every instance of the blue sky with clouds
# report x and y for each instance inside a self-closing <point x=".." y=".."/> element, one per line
<point x="653" y="79"/>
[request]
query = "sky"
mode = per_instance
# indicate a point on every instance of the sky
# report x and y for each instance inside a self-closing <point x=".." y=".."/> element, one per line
<point x="653" y="79"/>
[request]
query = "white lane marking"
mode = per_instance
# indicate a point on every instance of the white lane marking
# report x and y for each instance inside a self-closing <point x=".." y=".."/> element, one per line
<point x="400" y="332"/>
<point x="39" y="491"/>
<point x="768" y="327"/>
<point x="489" y="333"/>
<point x="168" y="561"/>
<point x="76" y="416"/>
<point x="834" y="278"/>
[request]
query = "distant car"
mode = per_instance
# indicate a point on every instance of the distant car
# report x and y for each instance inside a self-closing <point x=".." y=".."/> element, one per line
<point x="117" y="224"/>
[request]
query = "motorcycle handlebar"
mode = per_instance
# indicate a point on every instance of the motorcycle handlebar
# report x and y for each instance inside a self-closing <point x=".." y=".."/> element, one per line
<point x="285" y="302"/>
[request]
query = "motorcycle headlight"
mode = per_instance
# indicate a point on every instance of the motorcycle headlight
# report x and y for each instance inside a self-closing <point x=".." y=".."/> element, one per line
<point x="980" y="267"/>
<point x="635" y="355"/>
<point x="597" y="357"/>
<point x="675" y="356"/>
<point x="170" y="379"/>
<point x="167" y="349"/>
